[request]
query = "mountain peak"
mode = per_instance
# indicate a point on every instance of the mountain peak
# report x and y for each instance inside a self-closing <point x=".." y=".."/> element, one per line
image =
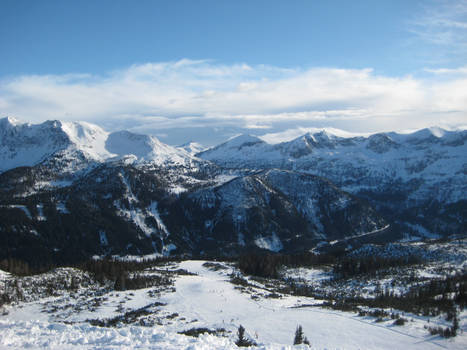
<point x="243" y="139"/>
<point x="238" y="147"/>
<point x="381" y="143"/>
<point x="30" y="144"/>
<point x="192" y="147"/>
<point x="237" y="143"/>
<point x="146" y="148"/>
<point x="435" y="131"/>
<point x="321" y="133"/>
<point x="9" y="121"/>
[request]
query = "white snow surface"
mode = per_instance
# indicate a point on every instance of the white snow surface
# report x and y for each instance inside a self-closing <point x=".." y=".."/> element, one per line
<point x="145" y="148"/>
<point x="272" y="242"/>
<point x="208" y="299"/>
<point x="192" y="147"/>
<point x="89" y="138"/>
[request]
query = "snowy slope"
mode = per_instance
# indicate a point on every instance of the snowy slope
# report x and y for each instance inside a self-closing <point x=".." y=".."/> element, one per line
<point x="145" y="148"/>
<point x="206" y="299"/>
<point x="244" y="149"/>
<point x="192" y="147"/>
<point x="210" y="299"/>
<point x="88" y="138"/>
<point x="26" y="145"/>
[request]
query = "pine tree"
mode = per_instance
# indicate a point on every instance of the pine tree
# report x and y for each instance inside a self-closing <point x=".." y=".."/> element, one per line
<point x="242" y="341"/>
<point x="455" y="326"/>
<point x="120" y="282"/>
<point x="241" y="336"/>
<point x="300" y="337"/>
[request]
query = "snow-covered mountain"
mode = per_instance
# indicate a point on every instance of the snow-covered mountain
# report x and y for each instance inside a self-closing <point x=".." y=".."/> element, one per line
<point x="73" y="190"/>
<point x="432" y="162"/>
<point x="428" y="153"/>
<point x="31" y="144"/>
<point x="274" y="210"/>
<point x="146" y="149"/>
<point x="238" y="151"/>
<point x="420" y="176"/>
<point x="192" y="147"/>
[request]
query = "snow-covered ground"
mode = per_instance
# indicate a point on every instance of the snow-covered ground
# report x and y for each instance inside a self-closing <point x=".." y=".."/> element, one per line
<point x="207" y="299"/>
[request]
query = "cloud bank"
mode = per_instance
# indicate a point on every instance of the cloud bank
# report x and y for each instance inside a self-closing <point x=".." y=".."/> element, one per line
<point x="179" y="98"/>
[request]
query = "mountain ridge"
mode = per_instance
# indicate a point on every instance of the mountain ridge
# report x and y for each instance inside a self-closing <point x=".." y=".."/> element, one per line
<point x="34" y="143"/>
<point x="90" y="192"/>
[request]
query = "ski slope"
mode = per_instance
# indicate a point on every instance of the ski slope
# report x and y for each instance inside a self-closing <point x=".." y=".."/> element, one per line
<point x="209" y="299"/>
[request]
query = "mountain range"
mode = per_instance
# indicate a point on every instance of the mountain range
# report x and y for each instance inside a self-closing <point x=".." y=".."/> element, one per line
<point x="70" y="190"/>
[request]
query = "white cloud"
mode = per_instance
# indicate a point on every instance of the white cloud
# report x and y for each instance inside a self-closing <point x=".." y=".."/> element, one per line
<point x="443" y="23"/>
<point x="439" y="71"/>
<point x="189" y="94"/>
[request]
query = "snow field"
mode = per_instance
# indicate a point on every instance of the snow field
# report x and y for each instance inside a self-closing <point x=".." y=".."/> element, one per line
<point x="209" y="299"/>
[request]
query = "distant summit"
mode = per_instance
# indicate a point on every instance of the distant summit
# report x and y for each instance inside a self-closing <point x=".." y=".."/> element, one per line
<point x="24" y="144"/>
<point x="192" y="147"/>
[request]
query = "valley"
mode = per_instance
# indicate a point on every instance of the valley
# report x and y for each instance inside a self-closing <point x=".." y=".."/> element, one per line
<point x="116" y="240"/>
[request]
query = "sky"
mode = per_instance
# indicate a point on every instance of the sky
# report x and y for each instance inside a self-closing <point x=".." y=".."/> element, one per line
<point x="210" y="69"/>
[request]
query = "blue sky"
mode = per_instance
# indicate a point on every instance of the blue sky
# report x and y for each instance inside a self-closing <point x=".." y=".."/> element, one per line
<point x="67" y="36"/>
<point x="206" y="70"/>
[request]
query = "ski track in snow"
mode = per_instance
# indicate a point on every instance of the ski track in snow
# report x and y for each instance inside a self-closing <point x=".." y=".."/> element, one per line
<point x="217" y="303"/>
<point x="360" y="235"/>
<point x="208" y="299"/>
